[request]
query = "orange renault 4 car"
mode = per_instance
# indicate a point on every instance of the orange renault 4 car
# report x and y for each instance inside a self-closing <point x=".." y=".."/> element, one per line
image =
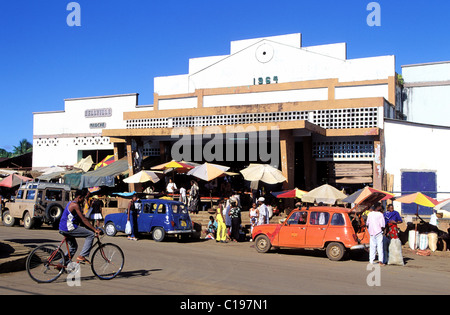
<point x="334" y="229"/>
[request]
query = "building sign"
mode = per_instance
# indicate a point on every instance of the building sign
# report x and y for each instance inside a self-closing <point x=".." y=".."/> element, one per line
<point x="98" y="112"/>
<point x="266" y="80"/>
<point x="99" y="125"/>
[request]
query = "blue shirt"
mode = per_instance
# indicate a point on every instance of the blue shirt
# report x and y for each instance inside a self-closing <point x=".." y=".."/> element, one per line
<point x="69" y="221"/>
<point x="394" y="215"/>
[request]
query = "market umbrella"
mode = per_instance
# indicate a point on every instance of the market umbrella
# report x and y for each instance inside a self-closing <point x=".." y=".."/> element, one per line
<point x="361" y="194"/>
<point x="293" y="193"/>
<point x="419" y="199"/>
<point x="325" y="193"/>
<point x="142" y="177"/>
<point x="208" y="171"/>
<point x="106" y="161"/>
<point x="443" y="205"/>
<point x="14" y="180"/>
<point x="180" y="166"/>
<point x="263" y="172"/>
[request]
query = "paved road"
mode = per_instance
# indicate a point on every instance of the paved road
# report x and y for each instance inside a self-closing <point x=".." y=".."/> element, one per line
<point x="207" y="267"/>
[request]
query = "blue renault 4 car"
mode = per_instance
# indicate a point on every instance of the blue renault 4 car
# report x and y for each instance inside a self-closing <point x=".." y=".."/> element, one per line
<point x="159" y="217"/>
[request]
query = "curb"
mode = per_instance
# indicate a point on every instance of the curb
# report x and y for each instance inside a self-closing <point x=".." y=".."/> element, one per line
<point x="15" y="256"/>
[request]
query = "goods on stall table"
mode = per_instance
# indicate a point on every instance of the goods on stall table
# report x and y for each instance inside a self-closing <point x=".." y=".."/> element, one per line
<point x="423" y="241"/>
<point x="432" y="241"/>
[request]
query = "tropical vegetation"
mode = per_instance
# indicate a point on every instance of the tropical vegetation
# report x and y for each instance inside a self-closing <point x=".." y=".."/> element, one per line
<point x="24" y="147"/>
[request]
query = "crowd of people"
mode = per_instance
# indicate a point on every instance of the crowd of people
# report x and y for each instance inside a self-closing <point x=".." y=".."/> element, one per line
<point x="227" y="224"/>
<point x="384" y="234"/>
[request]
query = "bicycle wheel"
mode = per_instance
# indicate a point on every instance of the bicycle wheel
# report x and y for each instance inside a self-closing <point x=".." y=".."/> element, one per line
<point x="45" y="263"/>
<point x="107" y="261"/>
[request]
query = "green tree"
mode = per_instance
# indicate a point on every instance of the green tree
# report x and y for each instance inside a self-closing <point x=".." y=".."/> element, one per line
<point x="4" y="153"/>
<point x="24" y="147"/>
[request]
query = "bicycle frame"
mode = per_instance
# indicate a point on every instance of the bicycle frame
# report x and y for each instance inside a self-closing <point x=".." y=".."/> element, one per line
<point x="98" y="242"/>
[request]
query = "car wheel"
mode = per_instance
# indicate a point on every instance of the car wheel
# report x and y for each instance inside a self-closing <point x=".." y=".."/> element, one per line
<point x="335" y="251"/>
<point x="110" y="229"/>
<point x="262" y="244"/>
<point x="28" y="221"/>
<point x="158" y="234"/>
<point x="8" y="219"/>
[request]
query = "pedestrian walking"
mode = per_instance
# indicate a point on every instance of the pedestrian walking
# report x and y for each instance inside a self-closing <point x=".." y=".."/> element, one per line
<point x="221" y="227"/>
<point x="254" y="217"/>
<point x="96" y="212"/>
<point x="376" y="224"/>
<point x="132" y="217"/>
<point x="235" y="215"/>
<point x="194" y="196"/>
<point x="183" y="198"/>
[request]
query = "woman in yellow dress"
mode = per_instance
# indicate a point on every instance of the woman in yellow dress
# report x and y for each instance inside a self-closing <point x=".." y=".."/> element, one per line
<point x="221" y="227"/>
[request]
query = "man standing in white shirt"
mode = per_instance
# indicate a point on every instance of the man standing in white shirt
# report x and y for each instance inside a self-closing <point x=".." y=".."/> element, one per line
<point x="376" y="224"/>
<point x="171" y="187"/>
<point x="263" y="212"/>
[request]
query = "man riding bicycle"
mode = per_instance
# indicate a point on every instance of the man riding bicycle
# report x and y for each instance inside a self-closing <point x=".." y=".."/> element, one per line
<point x="69" y="226"/>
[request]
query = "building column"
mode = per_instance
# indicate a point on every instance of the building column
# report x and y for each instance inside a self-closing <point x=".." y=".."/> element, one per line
<point x="378" y="164"/>
<point x="287" y="153"/>
<point x="309" y="166"/>
<point x="131" y="187"/>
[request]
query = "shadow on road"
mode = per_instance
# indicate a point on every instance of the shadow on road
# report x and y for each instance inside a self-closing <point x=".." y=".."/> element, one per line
<point x="124" y="274"/>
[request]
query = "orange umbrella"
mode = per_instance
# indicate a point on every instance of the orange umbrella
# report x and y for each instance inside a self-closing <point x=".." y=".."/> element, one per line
<point x="14" y="180"/>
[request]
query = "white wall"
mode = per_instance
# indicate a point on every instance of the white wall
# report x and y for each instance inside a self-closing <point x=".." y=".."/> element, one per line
<point x="412" y="146"/>
<point x="280" y="56"/>
<point x="319" y="94"/>
<point x="58" y="136"/>
<point x="429" y="105"/>
<point x="427" y="90"/>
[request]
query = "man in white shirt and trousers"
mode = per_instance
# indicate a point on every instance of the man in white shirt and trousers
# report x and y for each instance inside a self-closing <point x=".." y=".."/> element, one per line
<point x="263" y="212"/>
<point x="376" y="224"/>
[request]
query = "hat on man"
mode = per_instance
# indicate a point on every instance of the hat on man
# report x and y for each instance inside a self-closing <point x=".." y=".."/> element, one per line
<point x="261" y="199"/>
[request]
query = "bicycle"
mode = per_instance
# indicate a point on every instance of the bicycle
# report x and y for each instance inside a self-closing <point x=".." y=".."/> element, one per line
<point x="47" y="262"/>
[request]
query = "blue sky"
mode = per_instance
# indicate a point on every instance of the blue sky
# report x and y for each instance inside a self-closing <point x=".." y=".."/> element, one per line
<point x="122" y="45"/>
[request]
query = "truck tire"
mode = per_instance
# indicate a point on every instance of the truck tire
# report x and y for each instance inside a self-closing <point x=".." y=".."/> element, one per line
<point x="28" y="221"/>
<point x="8" y="219"/>
<point x="53" y="212"/>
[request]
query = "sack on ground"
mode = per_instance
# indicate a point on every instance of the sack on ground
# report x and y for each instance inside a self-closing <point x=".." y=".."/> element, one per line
<point x="432" y="241"/>
<point x="395" y="252"/>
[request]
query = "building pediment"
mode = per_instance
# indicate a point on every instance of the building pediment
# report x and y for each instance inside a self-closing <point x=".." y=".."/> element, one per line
<point x="273" y="60"/>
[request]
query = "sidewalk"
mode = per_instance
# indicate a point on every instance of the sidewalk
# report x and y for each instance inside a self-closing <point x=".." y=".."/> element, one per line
<point x="12" y="256"/>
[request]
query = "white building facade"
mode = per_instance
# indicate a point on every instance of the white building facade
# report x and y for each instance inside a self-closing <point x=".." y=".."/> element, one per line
<point x="329" y="110"/>
<point x="64" y="137"/>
